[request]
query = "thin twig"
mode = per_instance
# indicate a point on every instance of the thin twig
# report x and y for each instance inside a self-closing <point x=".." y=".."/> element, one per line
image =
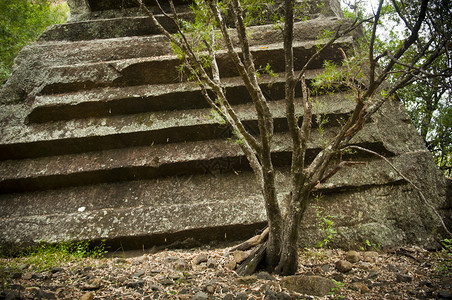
<point x="341" y="165"/>
<point x="338" y="34"/>
<point x="406" y="179"/>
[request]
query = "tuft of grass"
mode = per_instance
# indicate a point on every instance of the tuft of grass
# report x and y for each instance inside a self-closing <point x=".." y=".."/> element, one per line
<point x="444" y="256"/>
<point x="45" y="256"/>
<point x="368" y="245"/>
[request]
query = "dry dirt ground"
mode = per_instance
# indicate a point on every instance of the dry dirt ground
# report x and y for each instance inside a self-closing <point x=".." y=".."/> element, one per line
<point x="205" y="273"/>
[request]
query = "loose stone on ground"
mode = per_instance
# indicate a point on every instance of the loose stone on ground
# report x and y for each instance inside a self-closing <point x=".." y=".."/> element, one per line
<point x="203" y="273"/>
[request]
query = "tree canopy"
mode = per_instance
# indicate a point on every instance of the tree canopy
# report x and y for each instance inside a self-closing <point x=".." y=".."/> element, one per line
<point x="425" y="87"/>
<point x="21" y="22"/>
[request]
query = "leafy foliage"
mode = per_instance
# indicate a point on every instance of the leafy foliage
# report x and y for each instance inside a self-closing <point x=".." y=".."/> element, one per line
<point x="335" y="292"/>
<point x="428" y="99"/>
<point x="430" y="110"/>
<point x="427" y="95"/>
<point x="370" y="246"/>
<point x="21" y="21"/>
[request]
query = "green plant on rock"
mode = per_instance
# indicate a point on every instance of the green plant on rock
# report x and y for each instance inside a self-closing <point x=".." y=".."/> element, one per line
<point x="266" y="70"/>
<point x="447" y="245"/>
<point x="215" y="116"/>
<point x="3" y="277"/>
<point x="326" y="225"/>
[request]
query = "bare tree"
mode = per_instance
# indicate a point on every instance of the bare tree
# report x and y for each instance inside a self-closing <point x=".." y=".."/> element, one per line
<point x="199" y="51"/>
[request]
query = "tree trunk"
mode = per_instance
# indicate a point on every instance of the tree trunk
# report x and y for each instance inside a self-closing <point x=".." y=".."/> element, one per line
<point x="274" y="217"/>
<point x="288" y="262"/>
<point x="272" y="252"/>
<point x="278" y="254"/>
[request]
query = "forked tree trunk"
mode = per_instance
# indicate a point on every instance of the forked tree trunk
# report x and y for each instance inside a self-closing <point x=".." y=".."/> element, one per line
<point x="274" y="217"/>
<point x="277" y="253"/>
<point x="288" y="260"/>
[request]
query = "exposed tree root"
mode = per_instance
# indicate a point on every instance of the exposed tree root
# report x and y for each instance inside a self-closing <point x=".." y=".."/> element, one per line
<point x="249" y="265"/>
<point x="254" y="241"/>
<point x="259" y="244"/>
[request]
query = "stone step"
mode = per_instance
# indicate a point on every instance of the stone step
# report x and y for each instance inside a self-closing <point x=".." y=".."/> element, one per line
<point x="200" y="157"/>
<point x="136" y="24"/>
<point x="35" y="62"/>
<point x="52" y="53"/>
<point x="126" y="225"/>
<point x="110" y="101"/>
<point x="110" y="28"/>
<point x="118" y="165"/>
<point x="93" y="134"/>
<point x="164" y="69"/>
<point x="103" y="5"/>
<point x="182" y="189"/>
<point x="169" y="205"/>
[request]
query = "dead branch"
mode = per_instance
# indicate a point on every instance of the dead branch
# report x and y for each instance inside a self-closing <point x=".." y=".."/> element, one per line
<point x="254" y="241"/>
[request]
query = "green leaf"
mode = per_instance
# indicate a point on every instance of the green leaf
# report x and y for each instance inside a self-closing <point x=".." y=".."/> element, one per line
<point x="21" y="22"/>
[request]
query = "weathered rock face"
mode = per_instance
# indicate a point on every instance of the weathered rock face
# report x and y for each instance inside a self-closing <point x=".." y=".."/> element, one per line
<point x="101" y="139"/>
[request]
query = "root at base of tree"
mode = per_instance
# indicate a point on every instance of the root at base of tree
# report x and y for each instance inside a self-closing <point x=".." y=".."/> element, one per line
<point x="249" y="265"/>
<point x="258" y="244"/>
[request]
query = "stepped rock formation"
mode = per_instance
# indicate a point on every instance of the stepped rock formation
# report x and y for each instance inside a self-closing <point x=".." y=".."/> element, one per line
<point x="101" y="139"/>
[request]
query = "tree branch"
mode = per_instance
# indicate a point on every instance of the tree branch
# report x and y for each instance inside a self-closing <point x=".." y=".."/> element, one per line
<point x="407" y="180"/>
<point x="237" y="12"/>
<point x="249" y="79"/>
<point x="265" y="118"/>
<point x="289" y="76"/>
<point x="337" y="35"/>
<point x="289" y="89"/>
<point x="401" y="16"/>
<point x="306" y="125"/>
<point x="408" y="41"/>
<point x="185" y="46"/>
<point x="229" y="112"/>
<point x="372" y="61"/>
